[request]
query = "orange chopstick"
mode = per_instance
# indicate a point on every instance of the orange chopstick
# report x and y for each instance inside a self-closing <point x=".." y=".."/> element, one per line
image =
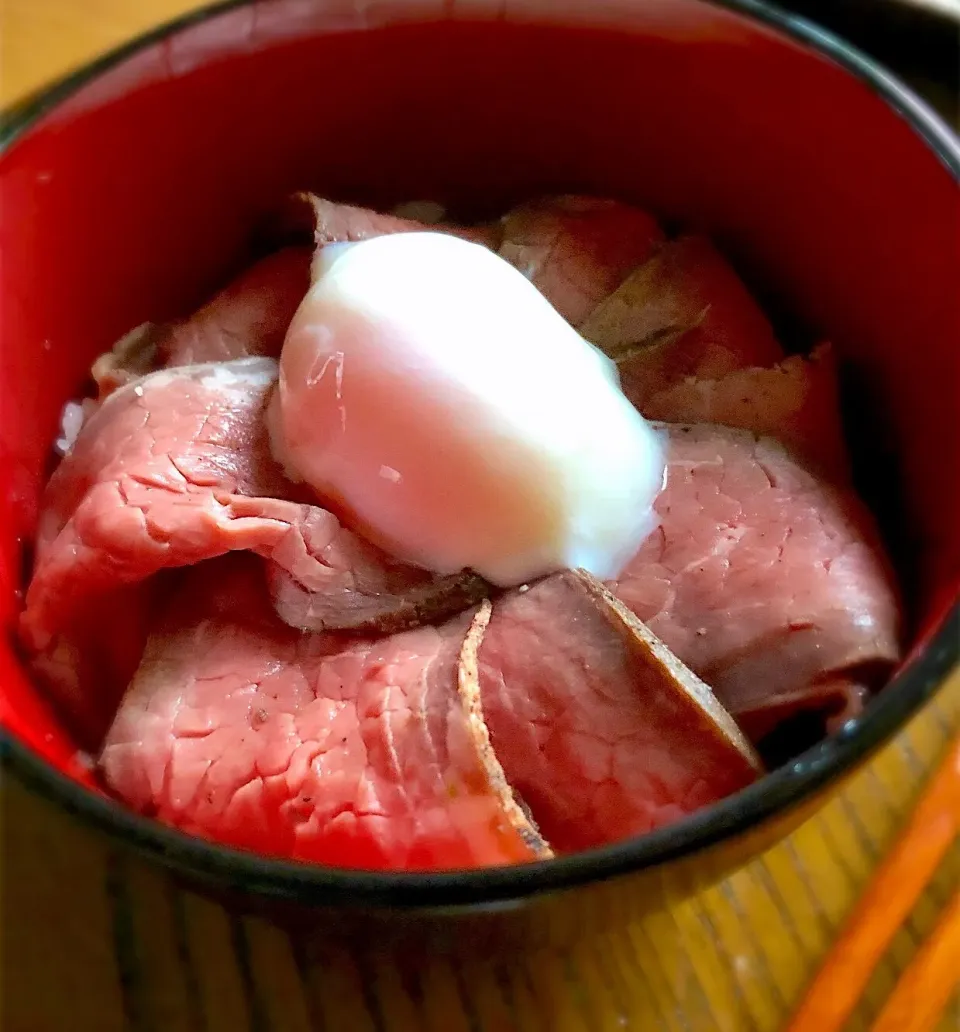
<point x="899" y="880"/>
<point x="928" y="982"/>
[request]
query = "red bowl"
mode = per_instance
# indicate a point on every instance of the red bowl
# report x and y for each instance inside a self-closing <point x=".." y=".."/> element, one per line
<point x="129" y="192"/>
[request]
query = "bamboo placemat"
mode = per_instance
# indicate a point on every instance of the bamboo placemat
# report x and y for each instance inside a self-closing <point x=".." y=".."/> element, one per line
<point x="93" y="940"/>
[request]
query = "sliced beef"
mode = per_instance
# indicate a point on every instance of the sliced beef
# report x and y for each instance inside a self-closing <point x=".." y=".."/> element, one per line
<point x="111" y="512"/>
<point x="765" y="580"/>
<point x="354" y="753"/>
<point x="149" y="485"/>
<point x="174" y="469"/>
<point x="597" y="725"/>
<point x="134" y="355"/>
<point x="249" y="317"/>
<point x="682" y="313"/>
<point x="663" y="310"/>
<point x="577" y="250"/>
<point x="795" y="401"/>
<point x="307" y="218"/>
<point x="387" y="595"/>
<point x="88" y="659"/>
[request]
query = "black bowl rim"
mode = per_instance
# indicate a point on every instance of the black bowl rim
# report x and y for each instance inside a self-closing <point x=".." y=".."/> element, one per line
<point x="778" y="792"/>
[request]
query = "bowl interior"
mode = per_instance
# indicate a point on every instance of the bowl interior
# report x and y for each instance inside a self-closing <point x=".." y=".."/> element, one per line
<point x="136" y="196"/>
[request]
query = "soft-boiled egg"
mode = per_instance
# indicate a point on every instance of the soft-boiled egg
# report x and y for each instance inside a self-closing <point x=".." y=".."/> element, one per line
<point x="432" y="395"/>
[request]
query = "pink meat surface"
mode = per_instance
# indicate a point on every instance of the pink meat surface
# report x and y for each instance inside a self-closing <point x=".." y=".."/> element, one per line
<point x="683" y="313"/>
<point x="174" y="469"/>
<point x="150" y="484"/>
<point x="664" y="310"/>
<point x="87" y="661"/>
<point x="796" y="401"/>
<point x="314" y="747"/>
<point x="306" y="218"/>
<point x="575" y="250"/>
<point x="249" y="317"/>
<point x="335" y="223"/>
<point x="596" y="727"/>
<point x="762" y="578"/>
<point x="385" y="595"/>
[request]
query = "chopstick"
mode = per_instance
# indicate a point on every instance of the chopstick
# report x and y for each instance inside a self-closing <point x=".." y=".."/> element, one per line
<point x="894" y="889"/>
<point x="925" y="986"/>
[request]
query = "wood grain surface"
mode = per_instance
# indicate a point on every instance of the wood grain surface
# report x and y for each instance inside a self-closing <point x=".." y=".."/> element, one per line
<point x="92" y="939"/>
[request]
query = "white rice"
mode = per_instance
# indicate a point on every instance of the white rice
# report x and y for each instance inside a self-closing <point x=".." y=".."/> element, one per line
<point x="74" y="415"/>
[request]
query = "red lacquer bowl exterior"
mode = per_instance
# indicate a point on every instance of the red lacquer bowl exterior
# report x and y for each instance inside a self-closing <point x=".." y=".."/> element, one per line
<point x="129" y="193"/>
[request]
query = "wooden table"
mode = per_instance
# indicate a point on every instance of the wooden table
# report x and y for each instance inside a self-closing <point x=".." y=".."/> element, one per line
<point x="93" y="941"/>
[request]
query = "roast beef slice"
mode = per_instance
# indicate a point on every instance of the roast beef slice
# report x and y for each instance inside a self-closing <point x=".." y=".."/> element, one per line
<point x="348" y="752"/>
<point x="577" y="250"/>
<point x="795" y="401"/>
<point x="603" y="732"/>
<point x="763" y="577"/>
<point x="175" y="468"/>
<point x="684" y="312"/>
